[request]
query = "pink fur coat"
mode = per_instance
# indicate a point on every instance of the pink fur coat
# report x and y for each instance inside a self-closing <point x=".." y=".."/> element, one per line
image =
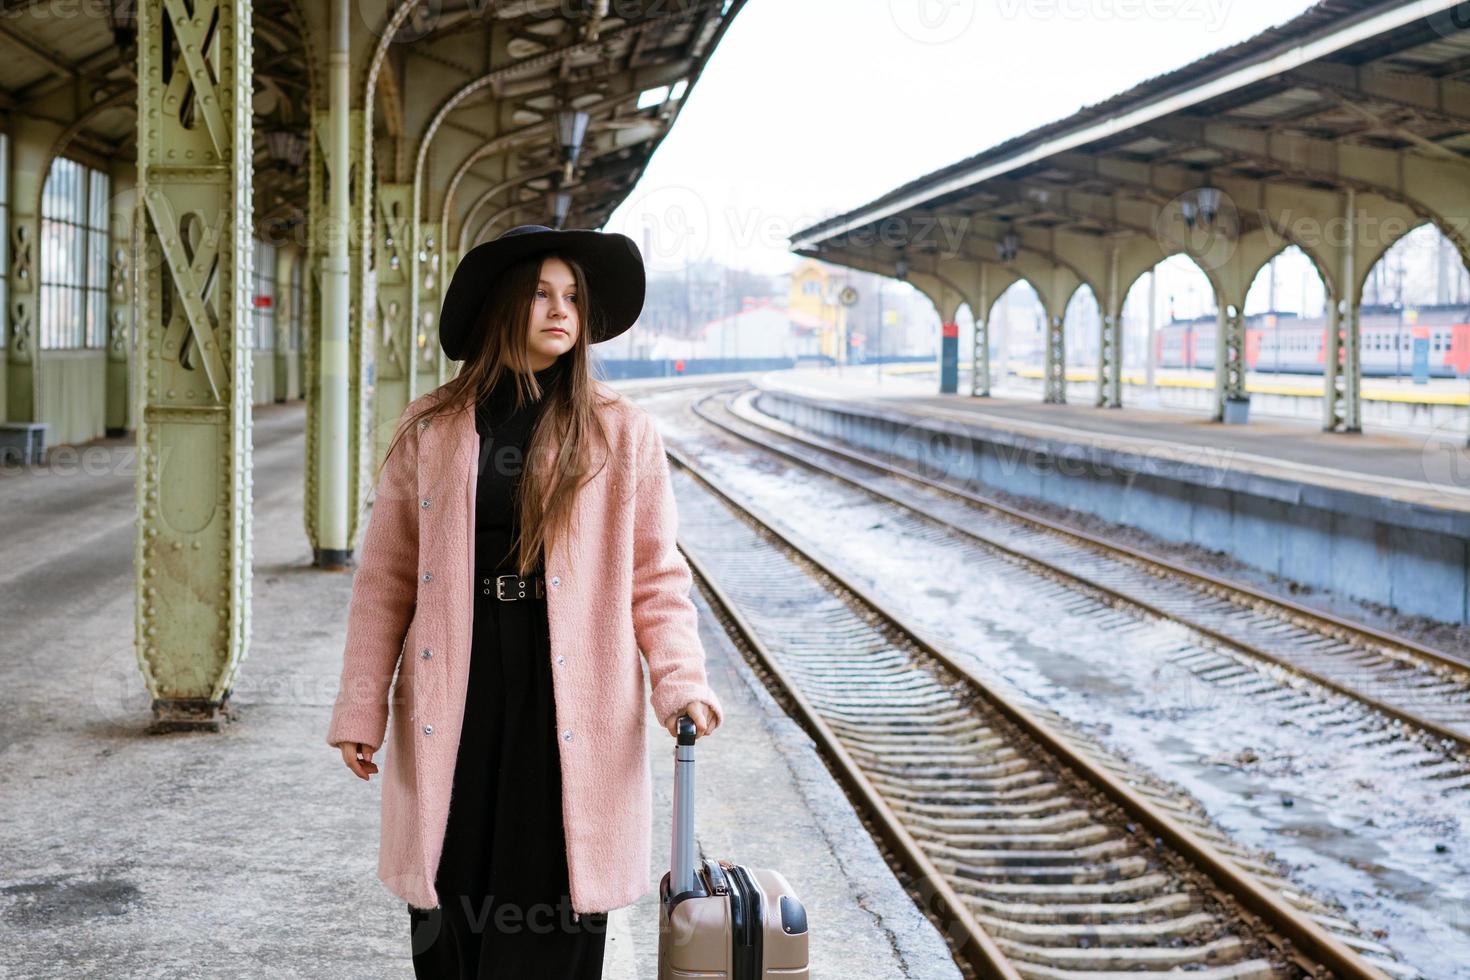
<point x="615" y="586"/>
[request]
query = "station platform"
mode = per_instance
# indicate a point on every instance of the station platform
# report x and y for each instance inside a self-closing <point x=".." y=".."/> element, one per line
<point x="1382" y="517"/>
<point x="253" y="851"/>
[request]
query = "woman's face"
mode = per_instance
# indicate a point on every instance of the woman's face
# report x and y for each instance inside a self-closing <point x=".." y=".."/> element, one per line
<point x="553" y="327"/>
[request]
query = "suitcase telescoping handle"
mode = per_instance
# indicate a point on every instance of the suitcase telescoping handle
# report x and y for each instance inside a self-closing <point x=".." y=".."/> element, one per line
<point x="681" y="863"/>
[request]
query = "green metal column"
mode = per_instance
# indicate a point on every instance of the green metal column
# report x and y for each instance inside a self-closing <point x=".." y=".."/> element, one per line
<point x="1110" y="339"/>
<point x="120" y="224"/>
<point x="451" y="262"/>
<point x="980" y="354"/>
<point x="193" y="556"/>
<point x="1229" y="355"/>
<point x="430" y="272"/>
<point x="1055" y="385"/>
<point x="311" y="336"/>
<point x="362" y="348"/>
<point x="395" y="335"/>
<point x="334" y="439"/>
<point x="1342" y="367"/>
<point x="30" y="154"/>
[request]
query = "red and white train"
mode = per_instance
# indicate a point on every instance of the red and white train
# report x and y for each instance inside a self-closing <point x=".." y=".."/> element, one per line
<point x="1290" y="344"/>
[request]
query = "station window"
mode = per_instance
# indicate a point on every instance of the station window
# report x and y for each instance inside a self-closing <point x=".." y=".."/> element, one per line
<point x="74" y="256"/>
<point x="263" y="298"/>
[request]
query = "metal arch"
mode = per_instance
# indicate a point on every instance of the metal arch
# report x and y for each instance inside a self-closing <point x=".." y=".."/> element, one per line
<point x="503" y="142"/>
<point x="1196" y="133"/>
<point x="544" y="59"/>
<point x="491" y="221"/>
<point x="484" y="199"/>
<point x="506" y="141"/>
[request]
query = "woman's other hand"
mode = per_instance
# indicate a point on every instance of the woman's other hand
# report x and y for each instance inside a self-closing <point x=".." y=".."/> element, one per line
<point x="362" y="768"/>
<point x="699" y="713"/>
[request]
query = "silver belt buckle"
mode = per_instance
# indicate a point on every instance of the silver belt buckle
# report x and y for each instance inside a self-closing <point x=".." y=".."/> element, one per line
<point x="518" y="584"/>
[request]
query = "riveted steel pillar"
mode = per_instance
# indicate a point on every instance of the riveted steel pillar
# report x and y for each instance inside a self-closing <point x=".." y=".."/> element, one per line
<point x="193" y="555"/>
<point x="333" y="457"/>
<point x="1341" y="367"/>
<point x="30" y="153"/>
<point x="1229" y="355"/>
<point x="362" y="330"/>
<point x="356" y="431"/>
<point x="311" y="327"/>
<point x="1055" y="385"/>
<point x="1110" y="339"/>
<point x="980" y="354"/>
<point x="430" y="270"/>
<point x="394" y="377"/>
<point x="121" y="221"/>
<point x="451" y="262"/>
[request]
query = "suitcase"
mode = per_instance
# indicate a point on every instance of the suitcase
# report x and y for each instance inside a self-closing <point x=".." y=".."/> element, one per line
<point x="719" y="919"/>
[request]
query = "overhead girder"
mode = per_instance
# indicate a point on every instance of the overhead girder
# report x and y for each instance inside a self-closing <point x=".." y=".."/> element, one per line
<point x="472" y="95"/>
<point x="632" y="81"/>
<point x="535" y="134"/>
<point x="1446" y="98"/>
<point x="591" y="181"/>
<point x="1434" y="188"/>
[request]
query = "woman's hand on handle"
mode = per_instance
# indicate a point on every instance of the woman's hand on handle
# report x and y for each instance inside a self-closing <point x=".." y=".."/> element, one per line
<point x="362" y="768"/>
<point x="699" y="713"/>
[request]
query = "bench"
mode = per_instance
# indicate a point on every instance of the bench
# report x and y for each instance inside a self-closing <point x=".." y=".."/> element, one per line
<point x="22" y="442"/>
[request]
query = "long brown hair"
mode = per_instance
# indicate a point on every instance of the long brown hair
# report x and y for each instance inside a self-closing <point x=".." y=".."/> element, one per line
<point x="561" y="447"/>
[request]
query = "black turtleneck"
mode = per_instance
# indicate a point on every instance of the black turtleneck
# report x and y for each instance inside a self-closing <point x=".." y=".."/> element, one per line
<point x="504" y="431"/>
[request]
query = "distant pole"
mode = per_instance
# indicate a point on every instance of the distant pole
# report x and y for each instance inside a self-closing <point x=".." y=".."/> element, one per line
<point x="880" y="331"/>
<point x="1153" y="296"/>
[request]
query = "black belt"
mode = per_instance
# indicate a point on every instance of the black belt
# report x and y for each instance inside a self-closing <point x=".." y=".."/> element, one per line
<point x="511" y="587"/>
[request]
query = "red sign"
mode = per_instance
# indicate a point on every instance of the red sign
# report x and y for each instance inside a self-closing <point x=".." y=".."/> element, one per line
<point x="679" y="366"/>
<point x="264" y="302"/>
<point x="951" y="330"/>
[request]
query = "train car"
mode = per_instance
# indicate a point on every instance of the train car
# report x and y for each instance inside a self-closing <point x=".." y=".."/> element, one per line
<point x="1287" y="344"/>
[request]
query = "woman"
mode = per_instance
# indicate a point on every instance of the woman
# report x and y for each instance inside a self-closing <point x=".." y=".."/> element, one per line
<point x="519" y="557"/>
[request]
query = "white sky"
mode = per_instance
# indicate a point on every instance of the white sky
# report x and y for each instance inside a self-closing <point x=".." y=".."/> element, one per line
<point x="809" y="108"/>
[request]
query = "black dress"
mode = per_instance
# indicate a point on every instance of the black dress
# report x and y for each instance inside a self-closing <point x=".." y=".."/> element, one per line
<point x="505" y="910"/>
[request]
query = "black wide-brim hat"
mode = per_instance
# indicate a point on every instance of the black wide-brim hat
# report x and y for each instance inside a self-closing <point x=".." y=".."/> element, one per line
<point x="612" y="264"/>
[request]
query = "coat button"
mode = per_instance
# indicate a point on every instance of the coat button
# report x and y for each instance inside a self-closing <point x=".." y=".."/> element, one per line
<point x="428" y="576"/>
<point x="556" y="580"/>
<point x="427" y="653"/>
<point x="566" y="736"/>
<point x="424" y="503"/>
<point x="423" y="424"/>
<point x="561" y="660"/>
<point x="428" y="729"/>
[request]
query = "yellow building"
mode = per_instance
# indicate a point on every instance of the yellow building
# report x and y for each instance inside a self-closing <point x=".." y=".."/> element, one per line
<point x="814" y="293"/>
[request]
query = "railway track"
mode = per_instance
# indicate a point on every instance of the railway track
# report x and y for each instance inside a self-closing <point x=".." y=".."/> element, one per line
<point x="1252" y="641"/>
<point x="1035" y="853"/>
